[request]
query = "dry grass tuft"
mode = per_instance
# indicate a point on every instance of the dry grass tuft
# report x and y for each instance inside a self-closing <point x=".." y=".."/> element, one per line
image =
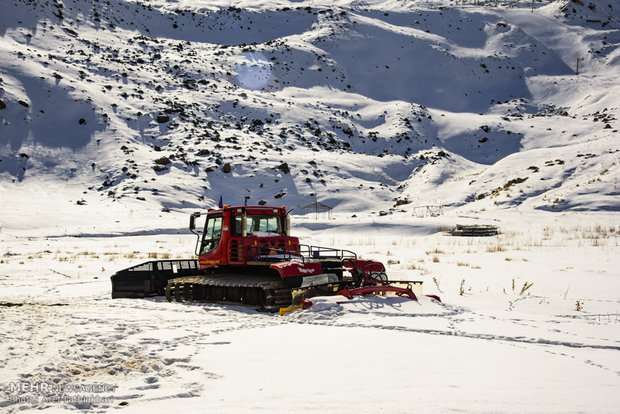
<point x="525" y="287"/>
<point x="436" y="282"/>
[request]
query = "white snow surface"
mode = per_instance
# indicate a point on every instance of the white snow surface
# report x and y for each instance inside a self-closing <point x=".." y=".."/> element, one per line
<point x="120" y="118"/>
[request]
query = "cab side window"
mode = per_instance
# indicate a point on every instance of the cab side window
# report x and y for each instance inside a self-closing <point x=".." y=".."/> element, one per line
<point x="212" y="234"/>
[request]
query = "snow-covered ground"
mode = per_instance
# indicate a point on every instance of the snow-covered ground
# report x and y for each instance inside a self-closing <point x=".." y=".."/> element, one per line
<point x="488" y="347"/>
<point x="119" y="118"/>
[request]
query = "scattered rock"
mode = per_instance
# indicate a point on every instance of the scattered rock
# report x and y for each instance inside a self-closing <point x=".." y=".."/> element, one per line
<point x="162" y="119"/>
<point x="163" y="161"/>
<point x="2" y="104"/>
<point x="284" y="168"/>
<point x="226" y="168"/>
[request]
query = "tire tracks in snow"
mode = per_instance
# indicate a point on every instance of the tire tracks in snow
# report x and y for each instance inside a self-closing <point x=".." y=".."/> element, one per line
<point x="463" y="334"/>
<point x="454" y="316"/>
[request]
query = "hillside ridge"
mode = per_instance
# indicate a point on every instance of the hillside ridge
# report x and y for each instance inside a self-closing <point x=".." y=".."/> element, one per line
<point x="366" y="108"/>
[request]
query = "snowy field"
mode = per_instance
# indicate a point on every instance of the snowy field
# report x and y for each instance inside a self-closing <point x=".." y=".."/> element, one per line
<point x="529" y="323"/>
<point x="120" y="118"/>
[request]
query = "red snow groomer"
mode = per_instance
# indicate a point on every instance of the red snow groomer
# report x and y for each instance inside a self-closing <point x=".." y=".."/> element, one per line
<point x="246" y="255"/>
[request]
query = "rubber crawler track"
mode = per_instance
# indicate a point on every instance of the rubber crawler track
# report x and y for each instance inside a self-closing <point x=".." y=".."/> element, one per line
<point x="256" y="291"/>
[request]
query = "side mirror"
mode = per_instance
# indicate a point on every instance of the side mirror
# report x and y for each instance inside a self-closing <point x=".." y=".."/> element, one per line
<point x="192" y="221"/>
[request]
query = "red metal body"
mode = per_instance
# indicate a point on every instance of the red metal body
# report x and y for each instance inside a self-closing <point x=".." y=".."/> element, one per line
<point x="224" y="243"/>
<point x="247" y="255"/>
<point x="259" y="236"/>
<point x="365" y="290"/>
<point x="296" y="268"/>
<point x="369" y="290"/>
<point x="366" y="266"/>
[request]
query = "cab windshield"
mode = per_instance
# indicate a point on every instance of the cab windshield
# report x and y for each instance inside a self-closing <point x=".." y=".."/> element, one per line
<point x="259" y="223"/>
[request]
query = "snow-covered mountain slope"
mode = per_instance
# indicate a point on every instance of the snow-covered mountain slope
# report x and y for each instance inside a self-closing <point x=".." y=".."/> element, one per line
<point x="363" y="105"/>
<point x="114" y="110"/>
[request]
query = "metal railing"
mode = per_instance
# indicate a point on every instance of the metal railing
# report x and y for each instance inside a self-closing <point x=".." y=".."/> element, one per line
<point x="325" y="253"/>
<point x="305" y="253"/>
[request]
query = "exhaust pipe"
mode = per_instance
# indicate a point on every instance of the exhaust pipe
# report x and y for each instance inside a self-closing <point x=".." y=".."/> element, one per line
<point x="244" y="224"/>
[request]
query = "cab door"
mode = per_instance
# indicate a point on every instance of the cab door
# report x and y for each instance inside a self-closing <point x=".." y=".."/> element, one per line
<point x="210" y="245"/>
